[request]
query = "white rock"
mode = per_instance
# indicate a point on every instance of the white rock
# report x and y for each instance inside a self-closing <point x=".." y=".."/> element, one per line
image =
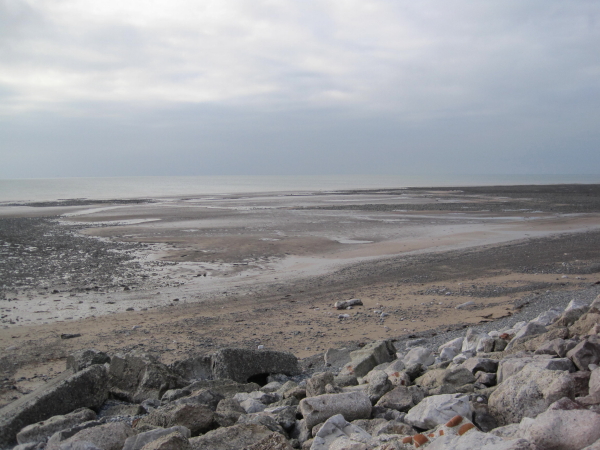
<point x="548" y="317"/>
<point x="459" y="359"/>
<point x="438" y="409"/>
<point x="557" y="430"/>
<point x="471" y="340"/>
<point x="447" y="354"/>
<point x="336" y="428"/>
<point x="352" y="405"/>
<point x="476" y="440"/>
<point x="419" y="355"/>
<point x="465" y="305"/>
<point x="251" y="405"/>
<point x="577" y="304"/>
<point x="455" y="344"/>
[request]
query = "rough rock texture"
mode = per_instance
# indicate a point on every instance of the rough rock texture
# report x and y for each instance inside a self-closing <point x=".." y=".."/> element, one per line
<point x="351" y="405"/>
<point x="138" y="441"/>
<point x="195" y="368"/>
<point x="197" y="418"/>
<point x="337" y="429"/>
<point x="64" y="394"/>
<point x="402" y="398"/>
<point x="438" y="409"/>
<point x="368" y="357"/>
<point x="41" y="431"/>
<point x="173" y="441"/>
<point x="110" y="436"/>
<point x="275" y="441"/>
<point x="337" y="358"/>
<point x="242" y="365"/>
<point x="317" y="383"/>
<point x="529" y="393"/>
<point x="559" y="429"/>
<point x="231" y="438"/>
<point x="82" y="359"/>
<point x="137" y="377"/>
<point x="457" y="376"/>
<point x="585" y="353"/>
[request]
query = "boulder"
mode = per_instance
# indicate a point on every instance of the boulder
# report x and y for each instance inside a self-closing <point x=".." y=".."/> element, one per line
<point x="448" y="354"/>
<point x="396" y="373"/>
<point x="560" y="429"/>
<point x="378" y="385"/>
<point x="337" y="429"/>
<point x="226" y="388"/>
<point x="244" y="365"/>
<point x="556" y="347"/>
<point x="419" y="355"/>
<point x="438" y="409"/>
<point x="205" y="397"/>
<point x="574" y="310"/>
<point x="352" y="405"/>
<point x="109" y="436"/>
<point x="231" y="438"/>
<point x="529" y="393"/>
<point x="510" y="366"/>
<point x="368" y="357"/>
<point x="274" y="441"/>
<point x="594" y="383"/>
<point x="344" y="304"/>
<point x="548" y="317"/>
<point x="64" y="394"/>
<point x="471" y="339"/>
<point x="138" y="441"/>
<point x="285" y="416"/>
<point x="228" y="412"/>
<point x="456" y="376"/>
<point x="195" y="368"/>
<point x="476" y="440"/>
<point x="137" y="377"/>
<point x="481" y="365"/>
<point x="82" y="359"/>
<point x="41" y="431"/>
<point x="262" y="419"/>
<point x="316" y="384"/>
<point x="485" y="344"/>
<point x="584" y="324"/>
<point x="173" y="441"/>
<point x="197" y="418"/>
<point x="585" y="353"/>
<point x="402" y="398"/>
<point x="337" y="358"/>
<point x="529" y="330"/>
<point x="454" y="344"/>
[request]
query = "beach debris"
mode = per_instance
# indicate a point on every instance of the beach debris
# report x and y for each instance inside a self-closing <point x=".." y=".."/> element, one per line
<point x="69" y="335"/>
<point x="465" y="305"/>
<point x="344" y="304"/>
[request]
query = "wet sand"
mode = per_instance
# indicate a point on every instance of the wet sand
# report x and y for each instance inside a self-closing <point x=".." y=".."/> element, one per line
<point x="197" y="274"/>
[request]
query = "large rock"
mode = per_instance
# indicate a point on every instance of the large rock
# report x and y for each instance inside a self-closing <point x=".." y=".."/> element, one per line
<point x="231" y="438"/>
<point x="529" y="393"/>
<point x="510" y="366"/>
<point x="41" y="431"/>
<point x="336" y="428"/>
<point x="138" y="441"/>
<point x="481" y="364"/>
<point x="556" y="347"/>
<point x="138" y="376"/>
<point x="82" y="359"/>
<point x="438" y="409"/>
<point x="419" y="355"/>
<point x="548" y="317"/>
<point x="244" y="365"/>
<point x="471" y="339"/>
<point x="197" y="418"/>
<point x="564" y="430"/>
<point x="574" y="310"/>
<point x="316" y="384"/>
<point x="368" y="357"/>
<point x="585" y="353"/>
<point x="402" y="398"/>
<point x="583" y="325"/>
<point x="337" y="357"/>
<point x="456" y="376"/>
<point x="195" y="368"/>
<point x="173" y="441"/>
<point x="529" y="330"/>
<point x="64" y="394"/>
<point x="352" y="405"/>
<point x="273" y="442"/>
<point x="226" y="388"/>
<point x="378" y="385"/>
<point x="110" y="436"/>
<point x="476" y="440"/>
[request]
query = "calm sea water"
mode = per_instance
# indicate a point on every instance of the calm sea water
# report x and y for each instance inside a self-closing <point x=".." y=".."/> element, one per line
<point x="143" y="187"/>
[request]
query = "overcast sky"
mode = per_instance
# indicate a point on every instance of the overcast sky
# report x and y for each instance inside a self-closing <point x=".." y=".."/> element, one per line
<point x="231" y="87"/>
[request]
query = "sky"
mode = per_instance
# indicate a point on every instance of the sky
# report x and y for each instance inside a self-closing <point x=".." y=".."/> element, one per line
<point x="304" y="87"/>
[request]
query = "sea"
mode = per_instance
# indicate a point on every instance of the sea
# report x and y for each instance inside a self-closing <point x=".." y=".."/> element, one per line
<point x="109" y="188"/>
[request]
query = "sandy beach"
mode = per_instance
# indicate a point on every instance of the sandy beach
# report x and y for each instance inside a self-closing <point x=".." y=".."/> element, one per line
<point x="184" y="276"/>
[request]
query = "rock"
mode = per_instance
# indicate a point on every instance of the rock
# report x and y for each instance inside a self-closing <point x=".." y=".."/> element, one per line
<point x="531" y="329"/>
<point x="174" y="394"/>
<point x="500" y="344"/>
<point x="138" y="441"/>
<point x="455" y="344"/>
<point x="79" y="445"/>
<point x="595" y="306"/>
<point x="337" y="358"/>
<point x="110" y="436"/>
<point x="548" y="317"/>
<point x="262" y="419"/>
<point x="231" y="438"/>
<point x="316" y="384"/>
<point x="204" y="397"/>
<point x="138" y="376"/>
<point x="485" y="344"/>
<point x="447" y="354"/>
<point x="419" y="355"/>
<point x="368" y="357"/>
<point x="55" y="440"/>
<point x="173" y="441"/>
<point x="414" y="371"/>
<point x="481" y="364"/>
<point x="574" y="310"/>
<point x="594" y="383"/>
<point x="62" y="395"/>
<point x="482" y="417"/>
<point x="344" y="380"/>
<point x="585" y="353"/>
<point x="487" y="379"/>
<point x="226" y="388"/>
<point x="344" y="304"/>
<point x="352" y="405"/>
<point x="123" y="410"/>
<point x="456" y="377"/>
<point x="402" y="398"/>
<point x="337" y="429"/>
<point x="471" y="339"/>
<point x="197" y="418"/>
<point x="285" y="416"/>
<point x="529" y="393"/>
<point x="558" y="347"/>
<point x="510" y="366"/>
<point x="396" y="374"/>
<point x="438" y="409"/>
<point x="465" y="305"/>
<point x="273" y="386"/>
<point x="274" y="441"/>
<point x="251" y="405"/>
<point x="560" y="429"/>
<point x="228" y="412"/>
<point x="41" y="431"/>
<point x="476" y="440"/>
<point x="83" y="359"/>
<point x="195" y="368"/>
<point x="244" y="365"/>
<point x="378" y="385"/>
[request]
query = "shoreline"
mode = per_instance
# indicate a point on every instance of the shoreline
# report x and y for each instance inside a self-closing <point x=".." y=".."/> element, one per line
<point x="264" y="306"/>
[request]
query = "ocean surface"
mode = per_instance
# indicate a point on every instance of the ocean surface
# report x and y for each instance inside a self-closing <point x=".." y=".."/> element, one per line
<point x="28" y="190"/>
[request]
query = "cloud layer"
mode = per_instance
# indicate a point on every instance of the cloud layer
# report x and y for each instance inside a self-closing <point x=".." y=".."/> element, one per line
<point x="252" y="79"/>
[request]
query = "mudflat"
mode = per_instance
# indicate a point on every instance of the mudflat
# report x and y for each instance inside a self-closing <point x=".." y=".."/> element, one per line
<point x="184" y="276"/>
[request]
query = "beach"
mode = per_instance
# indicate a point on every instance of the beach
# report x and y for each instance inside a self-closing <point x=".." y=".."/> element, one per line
<point x="180" y="276"/>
